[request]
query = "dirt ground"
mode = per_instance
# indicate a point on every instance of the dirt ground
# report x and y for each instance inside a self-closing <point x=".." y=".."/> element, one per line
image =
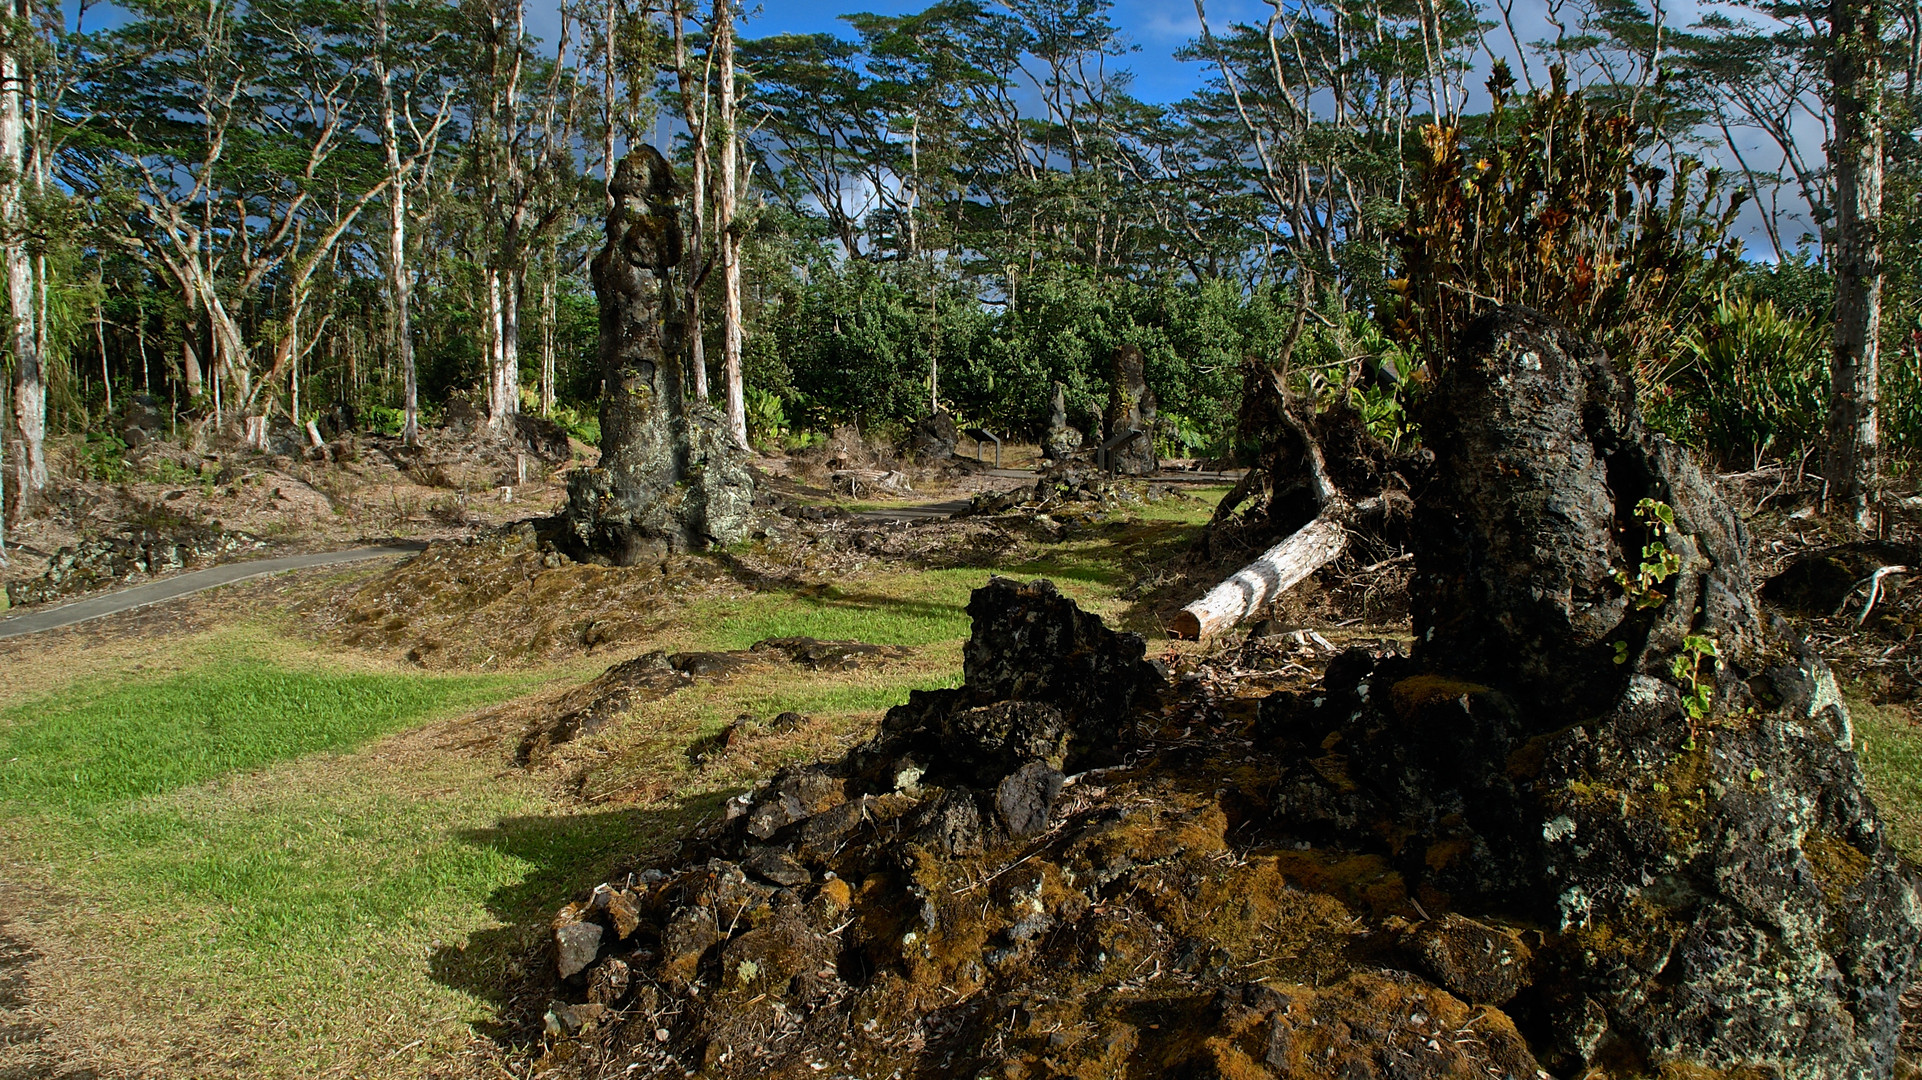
<point x="235" y="502"/>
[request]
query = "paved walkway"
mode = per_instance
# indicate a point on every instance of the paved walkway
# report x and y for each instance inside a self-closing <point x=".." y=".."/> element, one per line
<point x="177" y="585"/>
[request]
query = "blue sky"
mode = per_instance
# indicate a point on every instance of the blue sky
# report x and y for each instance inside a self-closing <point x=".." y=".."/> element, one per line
<point x="1156" y="27"/>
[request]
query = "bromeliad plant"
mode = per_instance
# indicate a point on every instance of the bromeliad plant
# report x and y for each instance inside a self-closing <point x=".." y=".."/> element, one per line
<point x="1553" y="204"/>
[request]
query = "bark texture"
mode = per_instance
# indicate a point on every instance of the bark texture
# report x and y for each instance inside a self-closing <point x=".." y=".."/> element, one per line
<point x="727" y="229"/>
<point x="1855" y="158"/>
<point x="29" y="380"/>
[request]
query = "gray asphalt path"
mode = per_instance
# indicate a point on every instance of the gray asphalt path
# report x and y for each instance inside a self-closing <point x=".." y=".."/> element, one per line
<point x="916" y="512"/>
<point x="177" y="585"/>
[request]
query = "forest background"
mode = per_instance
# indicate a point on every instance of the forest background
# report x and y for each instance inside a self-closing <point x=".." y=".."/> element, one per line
<point x="274" y="208"/>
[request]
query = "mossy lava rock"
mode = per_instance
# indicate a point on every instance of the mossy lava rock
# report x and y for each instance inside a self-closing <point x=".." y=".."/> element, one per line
<point x="1598" y="736"/>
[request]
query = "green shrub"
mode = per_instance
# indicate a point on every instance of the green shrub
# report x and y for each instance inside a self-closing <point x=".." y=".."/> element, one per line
<point x="382" y="420"/>
<point x="766" y="416"/>
<point x="581" y="423"/>
<point x="1747" y="383"/>
<point x="1901" y="388"/>
<point x="102" y="457"/>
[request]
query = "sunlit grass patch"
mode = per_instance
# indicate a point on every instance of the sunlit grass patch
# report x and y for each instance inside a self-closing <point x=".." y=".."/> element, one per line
<point x="1195" y="509"/>
<point x="101" y="742"/>
<point x="1891" y="755"/>
<point x="911" y="608"/>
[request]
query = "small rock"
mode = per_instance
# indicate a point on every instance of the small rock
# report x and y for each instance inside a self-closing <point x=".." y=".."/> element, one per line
<point x="609" y="983"/>
<point x="565" y="1019"/>
<point x="776" y="866"/>
<point x="576" y="945"/>
<point x="625" y="915"/>
<point x="689" y="935"/>
<point x="1471" y="960"/>
<point x="825" y="831"/>
<point x="950" y="824"/>
<point x="1025" y="798"/>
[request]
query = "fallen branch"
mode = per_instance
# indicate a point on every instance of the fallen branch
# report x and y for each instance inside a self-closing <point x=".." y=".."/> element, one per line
<point x="1874" y="582"/>
<point x="1279" y="569"/>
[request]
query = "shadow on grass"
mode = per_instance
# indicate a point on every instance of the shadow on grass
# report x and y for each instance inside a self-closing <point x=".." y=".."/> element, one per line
<point x="511" y="967"/>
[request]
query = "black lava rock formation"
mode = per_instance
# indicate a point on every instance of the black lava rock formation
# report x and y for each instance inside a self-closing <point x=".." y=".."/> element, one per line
<point x="1630" y="761"/>
<point x="1604" y="821"/>
<point x="670" y="478"/>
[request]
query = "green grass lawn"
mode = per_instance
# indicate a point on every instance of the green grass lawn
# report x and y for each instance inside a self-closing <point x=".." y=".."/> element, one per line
<point x="108" y="742"/>
<point x="241" y="843"/>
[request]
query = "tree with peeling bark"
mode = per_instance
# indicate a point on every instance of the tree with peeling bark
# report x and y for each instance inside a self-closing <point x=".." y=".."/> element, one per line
<point x="692" y="81"/>
<point x="29" y="381"/>
<point x="1856" y="157"/>
<point x="727" y="226"/>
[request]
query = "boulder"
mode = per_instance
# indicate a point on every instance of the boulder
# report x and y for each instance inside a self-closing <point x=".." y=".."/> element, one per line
<point x="1061" y="440"/>
<point x="933" y="437"/>
<point x="1632" y="759"/>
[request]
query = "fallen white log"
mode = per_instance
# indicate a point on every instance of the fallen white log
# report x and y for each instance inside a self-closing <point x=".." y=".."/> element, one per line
<point x="1279" y="569"/>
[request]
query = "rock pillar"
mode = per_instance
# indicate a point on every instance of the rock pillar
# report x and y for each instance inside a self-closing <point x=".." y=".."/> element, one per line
<point x="669" y="479"/>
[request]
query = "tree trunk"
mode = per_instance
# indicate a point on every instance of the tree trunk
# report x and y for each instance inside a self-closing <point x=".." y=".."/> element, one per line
<point x="190" y="365"/>
<point x="547" y="337"/>
<point x="725" y="230"/>
<point x="1279" y="569"/>
<point x="504" y="382"/>
<point x="693" y="263"/>
<point x="1855" y="75"/>
<point x="29" y="377"/>
<point x="401" y="286"/>
<point x="100" y="342"/>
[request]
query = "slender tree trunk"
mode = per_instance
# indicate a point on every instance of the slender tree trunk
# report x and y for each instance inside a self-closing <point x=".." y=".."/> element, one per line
<point x="496" y="342"/>
<point x="503" y="299"/>
<point x="140" y="342"/>
<point x="1856" y="155"/>
<point x="293" y="372"/>
<point x="401" y="287"/>
<point x="100" y="342"/>
<point x="725" y="228"/>
<point x="612" y="14"/>
<point x="29" y="376"/>
<point x="694" y="111"/>
<point x="547" y="338"/>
